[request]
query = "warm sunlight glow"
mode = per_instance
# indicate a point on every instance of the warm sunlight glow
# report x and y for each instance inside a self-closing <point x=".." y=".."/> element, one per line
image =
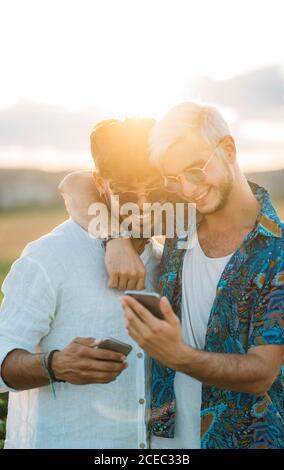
<point x="127" y="57"/>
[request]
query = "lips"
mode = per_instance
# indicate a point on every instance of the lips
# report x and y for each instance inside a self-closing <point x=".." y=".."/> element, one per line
<point x="202" y="195"/>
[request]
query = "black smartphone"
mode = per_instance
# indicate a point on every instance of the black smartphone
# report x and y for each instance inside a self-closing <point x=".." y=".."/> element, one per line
<point x="115" y="345"/>
<point x="149" y="300"/>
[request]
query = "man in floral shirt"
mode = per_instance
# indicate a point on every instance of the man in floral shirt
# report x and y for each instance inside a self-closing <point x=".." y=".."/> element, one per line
<point x="219" y="349"/>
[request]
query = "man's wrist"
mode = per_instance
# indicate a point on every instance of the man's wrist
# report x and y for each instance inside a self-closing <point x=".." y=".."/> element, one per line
<point x="57" y="365"/>
<point x="120" y="241"/>
<point x="123" y="235"/>
<point x="183" y="358"/>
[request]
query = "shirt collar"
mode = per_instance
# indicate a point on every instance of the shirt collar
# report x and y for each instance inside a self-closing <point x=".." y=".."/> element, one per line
<point x="267" y="222"/>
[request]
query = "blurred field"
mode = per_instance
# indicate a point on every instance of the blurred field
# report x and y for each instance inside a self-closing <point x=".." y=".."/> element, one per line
<point x="17" y="228"/>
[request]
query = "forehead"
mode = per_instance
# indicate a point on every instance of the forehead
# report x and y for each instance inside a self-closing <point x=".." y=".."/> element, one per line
<point x="188" y="150"/>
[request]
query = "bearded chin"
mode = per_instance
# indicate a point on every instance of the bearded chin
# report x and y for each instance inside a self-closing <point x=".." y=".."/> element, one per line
<point x="224" y="190"/>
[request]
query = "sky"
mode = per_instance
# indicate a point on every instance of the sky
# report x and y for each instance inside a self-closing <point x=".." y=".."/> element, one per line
<point x="105" y="58"/>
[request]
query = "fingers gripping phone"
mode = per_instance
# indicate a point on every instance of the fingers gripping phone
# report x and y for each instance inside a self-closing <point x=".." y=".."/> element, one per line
<point x="149" y="300"/>
<point x="115" y="345"/>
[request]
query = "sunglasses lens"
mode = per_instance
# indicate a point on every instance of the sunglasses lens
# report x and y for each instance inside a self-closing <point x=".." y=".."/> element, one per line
<point x="195" y="176"/>
<point x="172" y="185"/>
<point x="155" y="195"/>
<point x="158" y="194"/>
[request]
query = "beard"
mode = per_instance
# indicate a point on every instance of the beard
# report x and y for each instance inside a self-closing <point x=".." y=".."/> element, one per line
<point x="223" y="189"/>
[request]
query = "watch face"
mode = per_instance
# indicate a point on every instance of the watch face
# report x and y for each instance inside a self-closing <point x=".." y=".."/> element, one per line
<point x="125" y="234"/>
<point x="122" y="234"/>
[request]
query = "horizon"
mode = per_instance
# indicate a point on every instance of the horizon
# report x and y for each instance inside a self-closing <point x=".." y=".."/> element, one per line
<point x="136" y="68"/>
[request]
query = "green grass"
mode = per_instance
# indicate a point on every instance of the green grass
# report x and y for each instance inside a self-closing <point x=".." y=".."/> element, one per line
<point x="4" y="268"/>
<point x="3" y="414"/>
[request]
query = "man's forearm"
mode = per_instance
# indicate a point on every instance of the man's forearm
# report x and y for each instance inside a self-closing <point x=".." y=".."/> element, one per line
<point x="236" y="372"/>
<point x="23" y="370"/>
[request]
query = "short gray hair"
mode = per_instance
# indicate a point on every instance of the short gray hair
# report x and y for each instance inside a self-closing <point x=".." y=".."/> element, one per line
<point x="206" y="119"/>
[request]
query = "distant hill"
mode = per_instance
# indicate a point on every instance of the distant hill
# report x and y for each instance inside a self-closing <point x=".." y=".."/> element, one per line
<point x="22" y="188"/>
<point x="273" y="181"/>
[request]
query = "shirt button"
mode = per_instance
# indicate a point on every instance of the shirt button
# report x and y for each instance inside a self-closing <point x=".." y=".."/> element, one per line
<point x="139" y="355"/>
<point x="141" y="401"/>
<point x="142" y="445"/>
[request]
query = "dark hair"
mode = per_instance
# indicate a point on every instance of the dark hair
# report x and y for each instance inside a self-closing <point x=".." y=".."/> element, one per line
<point x="120" y="148"/>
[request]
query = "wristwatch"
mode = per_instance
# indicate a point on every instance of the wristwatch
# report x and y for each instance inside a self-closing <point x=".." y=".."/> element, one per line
<point x="122" y="234"/>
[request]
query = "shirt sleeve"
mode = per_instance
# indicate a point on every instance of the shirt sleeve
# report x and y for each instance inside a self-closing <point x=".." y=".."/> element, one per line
<point x="27" y="309"/>
<point x="267" y="325"/>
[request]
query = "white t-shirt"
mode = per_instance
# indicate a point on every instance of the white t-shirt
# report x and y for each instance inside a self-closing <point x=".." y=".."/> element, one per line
<point x="199" y="281"/>
<point x="56" y="291"/>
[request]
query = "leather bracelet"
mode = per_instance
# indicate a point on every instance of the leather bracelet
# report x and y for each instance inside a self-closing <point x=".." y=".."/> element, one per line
<point x="49" y="366"/>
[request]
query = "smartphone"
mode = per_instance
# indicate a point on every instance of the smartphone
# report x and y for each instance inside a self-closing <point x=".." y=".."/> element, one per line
<point x="149" y="300"/>
<point x="115" y="345"/>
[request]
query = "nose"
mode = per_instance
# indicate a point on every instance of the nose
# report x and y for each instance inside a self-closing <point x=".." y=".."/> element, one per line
<point x="141" y="199"/>
<point x="187" y="188"/>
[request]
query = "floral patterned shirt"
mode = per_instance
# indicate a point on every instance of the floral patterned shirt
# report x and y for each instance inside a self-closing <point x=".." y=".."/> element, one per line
<point x="248" y="311"/>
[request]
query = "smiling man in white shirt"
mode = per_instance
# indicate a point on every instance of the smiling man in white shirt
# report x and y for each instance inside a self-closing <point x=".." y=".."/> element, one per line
<point x="57" y="300"/>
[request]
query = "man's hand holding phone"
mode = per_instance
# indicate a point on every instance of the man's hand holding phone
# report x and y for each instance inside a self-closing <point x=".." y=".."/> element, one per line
<point x="157" y="332"/>
<point x="84" y="362"/>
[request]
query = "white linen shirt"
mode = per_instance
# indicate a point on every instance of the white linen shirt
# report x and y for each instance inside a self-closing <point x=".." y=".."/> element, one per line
<point x="57" y="290"/>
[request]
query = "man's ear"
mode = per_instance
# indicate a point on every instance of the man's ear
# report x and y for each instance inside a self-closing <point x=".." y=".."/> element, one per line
<point x="99" y="182"/>
<point x="228" y="144"/>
